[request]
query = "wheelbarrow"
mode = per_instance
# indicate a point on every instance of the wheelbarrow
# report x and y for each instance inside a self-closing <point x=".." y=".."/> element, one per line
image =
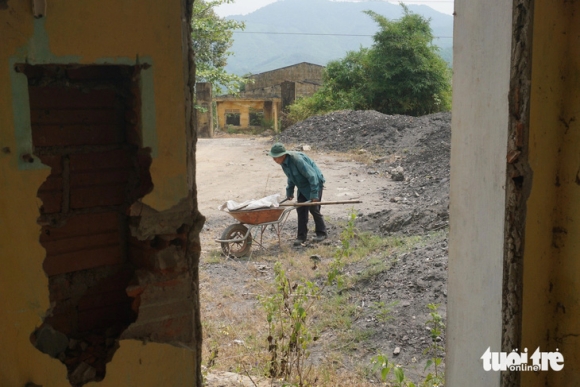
<point x="237" y="239"/>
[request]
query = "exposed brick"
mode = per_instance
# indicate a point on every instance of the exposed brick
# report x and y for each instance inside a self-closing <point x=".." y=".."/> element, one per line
<point x="169" y="330"/>
<point x="52" y="183"/>
<point x="54" y="162"/>
<point x="51" y="201"/>
<point x="115" y="282"/>
<point x="99" y="196"/>
<point x="78" y="243"/>
<point x="39" y="117"/>
<point x="100" y="160"/>
<point x="83" y="224"/>
<point x="99" y="72"/>
<point x="162" y="291"/>
<point x="103" y="318"/>
<point x="70" y="135"/>
<point x="103" y="299"/>
<point x="82" y="260"/>
<point x="47" y="97"/>
<point x="141" y="254"/>
<point x="168" y="309"/>
<point x="87" y="179"/>
<point x="63" y="322"/>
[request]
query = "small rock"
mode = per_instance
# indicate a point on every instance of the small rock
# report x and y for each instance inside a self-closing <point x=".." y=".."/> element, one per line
<point x="315" y="258"/>
<point x="305" y="148"/>
<point x="396" y="351"/>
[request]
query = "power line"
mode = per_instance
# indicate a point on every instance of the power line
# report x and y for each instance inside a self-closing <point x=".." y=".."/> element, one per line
<point x="316" y="34"/>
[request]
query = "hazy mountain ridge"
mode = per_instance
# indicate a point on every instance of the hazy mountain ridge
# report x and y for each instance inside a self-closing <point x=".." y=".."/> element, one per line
<point x="255" y="53"/>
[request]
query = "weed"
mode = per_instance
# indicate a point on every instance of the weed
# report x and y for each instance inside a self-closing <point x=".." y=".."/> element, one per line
<point x="289" y="335"/>
<point x="435" y="350"/>
<point x="213" y="257"/>
<point x="382" y="311"/>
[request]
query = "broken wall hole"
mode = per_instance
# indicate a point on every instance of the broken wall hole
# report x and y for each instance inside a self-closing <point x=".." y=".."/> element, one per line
<point x="85" y="123"/>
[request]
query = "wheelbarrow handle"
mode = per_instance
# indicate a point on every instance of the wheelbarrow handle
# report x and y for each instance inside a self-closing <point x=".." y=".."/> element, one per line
<point x="306" y="204"/>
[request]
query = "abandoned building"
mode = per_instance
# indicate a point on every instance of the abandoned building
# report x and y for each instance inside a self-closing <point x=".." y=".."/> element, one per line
<point x="266" y="95"/>
<point x="99" y="227"/>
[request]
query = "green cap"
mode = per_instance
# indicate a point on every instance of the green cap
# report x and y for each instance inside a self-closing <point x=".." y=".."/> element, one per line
<point x="277" y="150"/>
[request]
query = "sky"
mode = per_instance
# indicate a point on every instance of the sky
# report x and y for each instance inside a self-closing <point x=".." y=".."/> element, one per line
<point x="243" y="7"/>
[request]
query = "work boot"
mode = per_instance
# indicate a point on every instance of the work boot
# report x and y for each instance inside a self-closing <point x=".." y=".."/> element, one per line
<point x="319" y="238"/>
<point x="299" y="242"/>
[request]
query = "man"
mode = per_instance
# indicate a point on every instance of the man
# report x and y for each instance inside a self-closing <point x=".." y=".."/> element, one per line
<point x="303" y="174"/>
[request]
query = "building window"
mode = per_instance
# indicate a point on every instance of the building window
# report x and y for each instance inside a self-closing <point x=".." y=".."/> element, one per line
<point x="256" y="117"/>
<point x="233" y="117"/>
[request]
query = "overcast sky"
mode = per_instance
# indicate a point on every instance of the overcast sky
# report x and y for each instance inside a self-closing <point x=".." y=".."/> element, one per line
<point x="242" y="7"/>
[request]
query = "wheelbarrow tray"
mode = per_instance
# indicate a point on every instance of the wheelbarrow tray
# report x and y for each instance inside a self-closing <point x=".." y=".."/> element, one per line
<point x="258" y="216"/>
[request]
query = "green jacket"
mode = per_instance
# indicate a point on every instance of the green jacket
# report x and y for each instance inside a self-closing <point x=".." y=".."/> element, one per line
<point x="302" y="173"/>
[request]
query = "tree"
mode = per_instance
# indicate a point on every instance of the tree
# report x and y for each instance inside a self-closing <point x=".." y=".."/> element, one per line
<point x="402" y="73"/>
<point x="406" y="73"/>
<point x="212" y="38"/>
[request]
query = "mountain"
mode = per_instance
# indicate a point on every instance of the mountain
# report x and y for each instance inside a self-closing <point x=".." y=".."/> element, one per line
<point x="262" y="46"/>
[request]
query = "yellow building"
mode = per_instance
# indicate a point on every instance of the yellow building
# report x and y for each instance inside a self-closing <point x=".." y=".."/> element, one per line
<point x="99" y="224"/>
<point x="514" y="251"/>
<point x="266" y="95"/>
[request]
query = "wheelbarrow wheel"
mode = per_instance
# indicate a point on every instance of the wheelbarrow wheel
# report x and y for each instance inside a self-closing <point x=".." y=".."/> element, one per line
<point x="237" y="249"/>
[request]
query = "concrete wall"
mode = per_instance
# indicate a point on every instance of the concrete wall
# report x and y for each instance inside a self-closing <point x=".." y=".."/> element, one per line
<point x="481" y="67"/>
<point x="129" y="33"/>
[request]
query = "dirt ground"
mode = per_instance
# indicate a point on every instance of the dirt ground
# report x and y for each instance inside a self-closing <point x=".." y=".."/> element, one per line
<point x="238" y="168"/>
<point x="398" y="167"/>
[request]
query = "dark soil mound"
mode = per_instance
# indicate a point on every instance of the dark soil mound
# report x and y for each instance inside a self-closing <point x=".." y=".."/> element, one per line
<point x="412" y="150"/>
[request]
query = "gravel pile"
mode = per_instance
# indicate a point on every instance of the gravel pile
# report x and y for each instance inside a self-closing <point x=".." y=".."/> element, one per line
<point x="412" y="150"/>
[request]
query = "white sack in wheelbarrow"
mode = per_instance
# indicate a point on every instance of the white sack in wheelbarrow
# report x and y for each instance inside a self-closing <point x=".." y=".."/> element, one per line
<point x="267" y="202"/>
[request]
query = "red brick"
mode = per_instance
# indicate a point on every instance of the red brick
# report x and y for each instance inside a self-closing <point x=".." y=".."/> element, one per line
<point x="77" y="117"/>
<point x="63" y="322"/>
<point x="102" y="318"/>
<point x="51" y="201"/>
<point x="46" y="97"/>
<point x="52" y="183"/>
<point x="171" y="308"/>
<point x="170" y="330"/>
<point x="104" y="299"/>
<point x="140" y="254"/>
<point x="100" y="160"/>
<point x="78" y="243"/>
<point x="162" y="291"/>
<point x="116" y="282"/>
<point x="96" y="178"/>
<point x="54" y="162"/>
<point x="82" y="260"/>
<point x="70" y="135"/>
<point x="99" y="72"/>
<point x="83" y="224"/>
<point x="99" y="196"/>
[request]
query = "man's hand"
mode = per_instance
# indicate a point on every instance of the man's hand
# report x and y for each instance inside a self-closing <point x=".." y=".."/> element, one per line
<point x="290" y="198"/>
<point x="314" y="200"/>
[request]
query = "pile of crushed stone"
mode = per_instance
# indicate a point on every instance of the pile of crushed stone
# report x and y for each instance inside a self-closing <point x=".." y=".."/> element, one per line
<point x="417" y="149"/>
<point x="414" y="152"/>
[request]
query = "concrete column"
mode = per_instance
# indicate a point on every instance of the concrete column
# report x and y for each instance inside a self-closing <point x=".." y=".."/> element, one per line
<point x="204" y="109"/>
<point x="481" y="83"/>
<point x="288" y="93"/>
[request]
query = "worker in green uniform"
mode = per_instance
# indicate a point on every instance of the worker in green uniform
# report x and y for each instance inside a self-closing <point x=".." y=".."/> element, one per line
<point x="303" y="174"/>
